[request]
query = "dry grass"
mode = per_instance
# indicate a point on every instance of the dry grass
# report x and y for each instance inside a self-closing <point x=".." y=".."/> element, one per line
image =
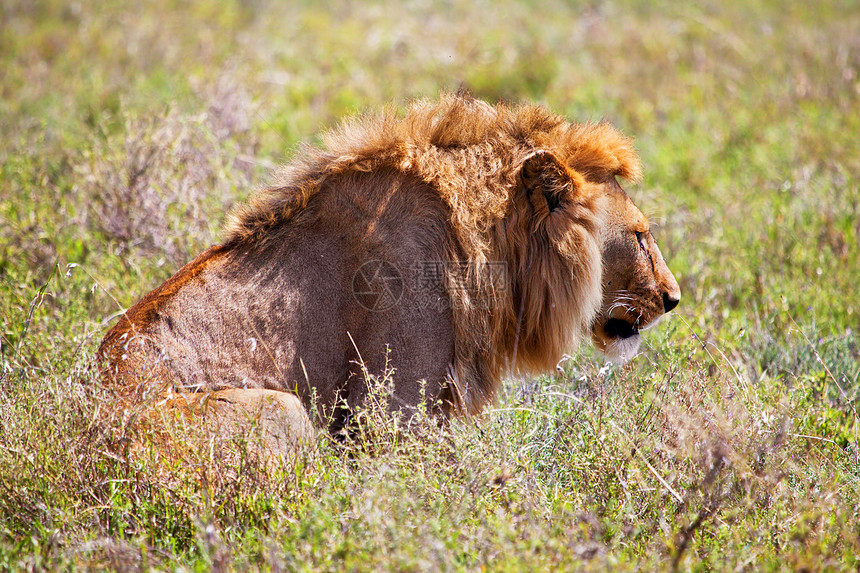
<point x="149" y="192"/>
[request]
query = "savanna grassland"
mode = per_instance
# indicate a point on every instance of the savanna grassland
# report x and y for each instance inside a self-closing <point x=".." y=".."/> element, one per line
<point x="731" y="443"/>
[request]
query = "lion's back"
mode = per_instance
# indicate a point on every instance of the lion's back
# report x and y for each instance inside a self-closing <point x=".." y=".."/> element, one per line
<point x="284" y="314"/>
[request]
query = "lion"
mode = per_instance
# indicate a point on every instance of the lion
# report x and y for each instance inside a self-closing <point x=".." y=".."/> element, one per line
<point x="451" y="244"/>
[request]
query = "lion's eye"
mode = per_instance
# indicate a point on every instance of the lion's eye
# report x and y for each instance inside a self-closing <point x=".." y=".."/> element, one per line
<point x="640" y="237"/>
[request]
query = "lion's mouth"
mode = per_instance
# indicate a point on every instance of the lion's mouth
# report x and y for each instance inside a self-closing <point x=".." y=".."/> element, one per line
<point x="620" y="328"/>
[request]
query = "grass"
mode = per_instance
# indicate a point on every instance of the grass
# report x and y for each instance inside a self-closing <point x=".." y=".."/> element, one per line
<point x="731" y="443"/>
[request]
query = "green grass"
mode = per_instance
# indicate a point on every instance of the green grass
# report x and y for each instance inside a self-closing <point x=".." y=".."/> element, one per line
<point x="731" y="443"/>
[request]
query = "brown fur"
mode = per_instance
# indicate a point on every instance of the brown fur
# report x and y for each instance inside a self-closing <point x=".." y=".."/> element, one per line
<point x="115" y="345"/>
<point x="456" y="181"/>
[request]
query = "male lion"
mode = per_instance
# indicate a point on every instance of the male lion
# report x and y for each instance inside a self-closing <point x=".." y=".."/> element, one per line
<point x="452" y="244"/>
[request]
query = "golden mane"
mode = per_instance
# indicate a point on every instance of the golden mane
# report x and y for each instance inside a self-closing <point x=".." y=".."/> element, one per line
<point x="466" y="148"/>
<point x="472" y="153"/>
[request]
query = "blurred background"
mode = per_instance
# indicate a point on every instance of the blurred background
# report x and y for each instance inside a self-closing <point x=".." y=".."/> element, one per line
<point x="127" y="132"/>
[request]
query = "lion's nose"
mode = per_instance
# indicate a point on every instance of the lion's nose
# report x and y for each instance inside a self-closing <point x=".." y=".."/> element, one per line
<point x="670" y="301"/>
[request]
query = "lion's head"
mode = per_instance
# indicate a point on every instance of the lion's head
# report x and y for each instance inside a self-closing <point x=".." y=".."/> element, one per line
<point x="592" y="264"/>
<point x="638" y="287"/>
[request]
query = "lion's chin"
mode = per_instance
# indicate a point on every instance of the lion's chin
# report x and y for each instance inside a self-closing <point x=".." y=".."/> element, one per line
<point x="617" y="339"/>
<point x="622" y="350"/>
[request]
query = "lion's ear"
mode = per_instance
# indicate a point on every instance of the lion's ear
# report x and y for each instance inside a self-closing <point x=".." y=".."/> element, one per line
<point x="547" y="181"/>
